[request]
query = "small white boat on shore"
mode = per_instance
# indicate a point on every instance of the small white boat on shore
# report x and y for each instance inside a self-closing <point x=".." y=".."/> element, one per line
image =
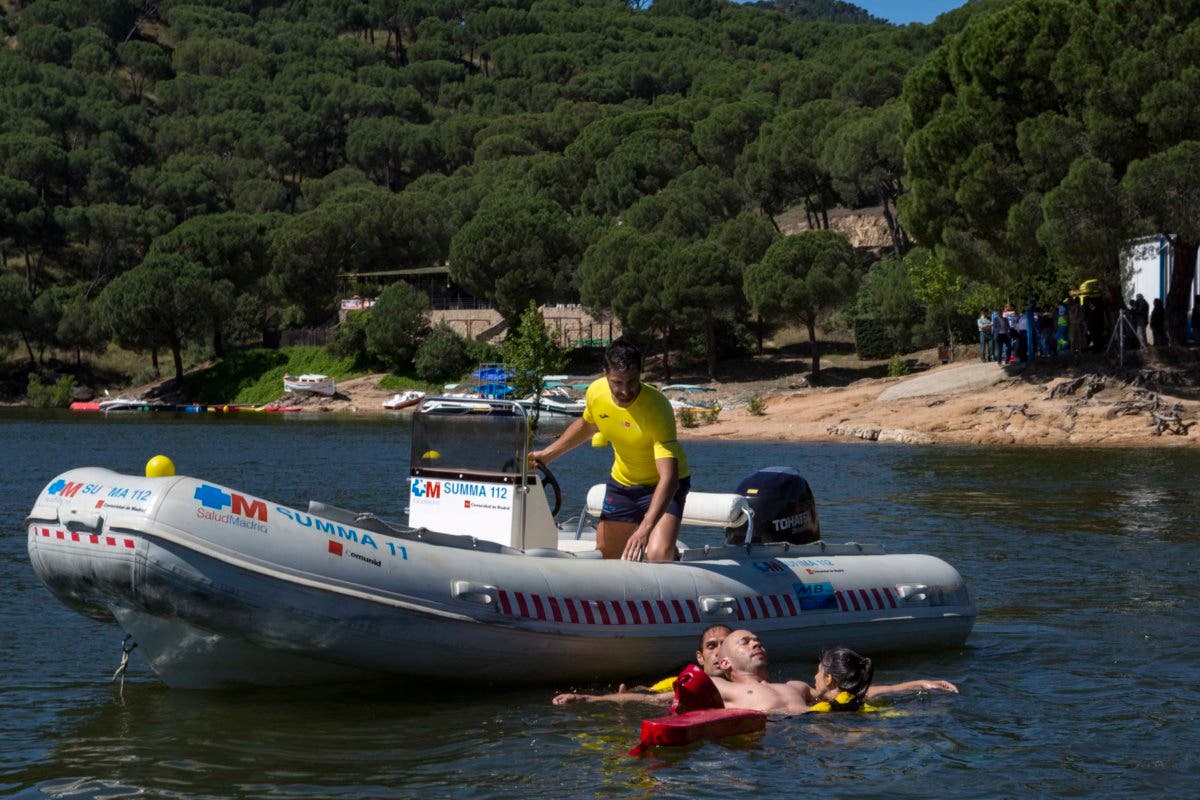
<point x="403" y="400"/>
<point x="124" y="403"/>
<point x="555" y="402"/>
<point x="309" y="384"/>
<point x="218" y="587"/>
<point x="691" y="397"/>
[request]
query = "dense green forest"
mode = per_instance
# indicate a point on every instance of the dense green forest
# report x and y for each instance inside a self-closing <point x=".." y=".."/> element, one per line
<point x="191" y="173"/>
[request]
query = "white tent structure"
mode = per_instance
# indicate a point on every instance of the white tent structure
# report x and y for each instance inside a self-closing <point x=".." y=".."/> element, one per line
<point x="1146" y="270"/>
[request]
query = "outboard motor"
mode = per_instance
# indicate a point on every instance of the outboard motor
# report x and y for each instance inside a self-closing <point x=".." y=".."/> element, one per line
<point x="783" y="505"/>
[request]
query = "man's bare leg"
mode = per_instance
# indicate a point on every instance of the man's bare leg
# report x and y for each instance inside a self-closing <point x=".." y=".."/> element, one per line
<point x="661" y="546"/>
<point x="611" y="537"/>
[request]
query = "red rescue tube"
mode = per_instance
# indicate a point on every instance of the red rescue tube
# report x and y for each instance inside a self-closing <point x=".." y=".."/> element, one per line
<point x="694" y="690"/>
<point x="677" y="730"/>
<point x="80" y="405"/>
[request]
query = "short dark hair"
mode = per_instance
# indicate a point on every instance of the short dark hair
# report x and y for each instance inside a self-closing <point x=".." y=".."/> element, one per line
<point x="852" y="672"/>
<point x="704" y="634"/>
<point x="622" y="356"/>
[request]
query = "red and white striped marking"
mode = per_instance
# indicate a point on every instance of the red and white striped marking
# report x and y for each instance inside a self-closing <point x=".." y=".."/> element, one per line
<point x="578" y="611"/>
<point x="88" y="538"/>
<point x="866" y="599"/>
<point x="767" y="606"/>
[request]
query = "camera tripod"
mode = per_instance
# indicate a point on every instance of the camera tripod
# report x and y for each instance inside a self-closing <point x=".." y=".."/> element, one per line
<point x="1118" y="337"/>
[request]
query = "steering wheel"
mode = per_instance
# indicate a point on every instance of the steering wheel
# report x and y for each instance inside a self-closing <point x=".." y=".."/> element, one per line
<point x="548" y="479"/>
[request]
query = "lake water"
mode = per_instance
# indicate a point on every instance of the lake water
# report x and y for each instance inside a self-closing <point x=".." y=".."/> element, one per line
<point x="1079" y="680"/>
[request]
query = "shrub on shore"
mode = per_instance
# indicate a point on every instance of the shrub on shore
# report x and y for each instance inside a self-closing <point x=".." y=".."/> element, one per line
<point x="50" y="395"/>
<point x="256" y="376"/>
<point x="442" y="355"/>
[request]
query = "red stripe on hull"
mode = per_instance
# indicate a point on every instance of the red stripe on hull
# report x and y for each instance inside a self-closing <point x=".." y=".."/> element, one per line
<point x="762" y="606"/>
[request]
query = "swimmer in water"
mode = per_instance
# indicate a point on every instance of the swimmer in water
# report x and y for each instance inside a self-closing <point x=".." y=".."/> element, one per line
<point x="843" y="679"/>
<point x="834" y="672"/>
<point x="706" y="657"/>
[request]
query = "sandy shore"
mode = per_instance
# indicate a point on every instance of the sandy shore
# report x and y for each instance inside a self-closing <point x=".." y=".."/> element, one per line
<point x="958" y="403"/>
<point x="1010" y="408"/>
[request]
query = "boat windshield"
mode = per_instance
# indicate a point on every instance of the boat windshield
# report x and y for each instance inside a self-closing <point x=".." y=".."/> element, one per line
<point x="468" y="442"/>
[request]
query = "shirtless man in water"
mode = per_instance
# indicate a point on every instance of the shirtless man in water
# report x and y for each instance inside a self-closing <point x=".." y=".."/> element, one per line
<point x="744" y="682"/>
<point x="706" y="657"/>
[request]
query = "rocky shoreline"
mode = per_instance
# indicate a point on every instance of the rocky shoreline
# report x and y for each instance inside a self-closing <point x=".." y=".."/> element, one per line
<point x="957" y="403"/>
<point x="1154" y="403"/>
<point x="983" y="404"/>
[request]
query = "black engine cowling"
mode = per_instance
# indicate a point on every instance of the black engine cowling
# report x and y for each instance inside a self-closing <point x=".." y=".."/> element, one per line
<point x="783" y="505"/>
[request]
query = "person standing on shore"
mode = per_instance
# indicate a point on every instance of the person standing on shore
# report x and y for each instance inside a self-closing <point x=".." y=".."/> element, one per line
<point x="1020" y="337"/>
<point x="1093" y="320"/>
<point x="1014" y="335"/>
<point x="1060" y="333"/>
<point x="1031" y="331"/>
<point x="649" y="480"/>
<point x="984" y="323"/>
<point x="1158" y="323"/>
<point x="1000" y="336"/>
<point x="1075" y="326"/>
<point x="1139" y="315"/>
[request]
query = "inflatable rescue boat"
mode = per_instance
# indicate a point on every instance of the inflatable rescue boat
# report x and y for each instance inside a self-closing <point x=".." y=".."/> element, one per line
<point x="218" y="587"/>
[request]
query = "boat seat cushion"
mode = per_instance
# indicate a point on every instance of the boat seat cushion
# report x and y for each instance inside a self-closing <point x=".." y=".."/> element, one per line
<point x="713" y="509"/>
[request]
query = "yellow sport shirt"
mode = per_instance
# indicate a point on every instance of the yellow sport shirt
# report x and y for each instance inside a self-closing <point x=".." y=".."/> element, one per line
<point x="639" y="434"/>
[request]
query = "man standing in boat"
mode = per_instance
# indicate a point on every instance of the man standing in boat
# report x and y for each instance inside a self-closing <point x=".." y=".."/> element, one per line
<point x="649" y="481"/>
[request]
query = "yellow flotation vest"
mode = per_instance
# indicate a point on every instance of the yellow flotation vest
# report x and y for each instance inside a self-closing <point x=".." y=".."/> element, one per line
<point x="843" y="702"/>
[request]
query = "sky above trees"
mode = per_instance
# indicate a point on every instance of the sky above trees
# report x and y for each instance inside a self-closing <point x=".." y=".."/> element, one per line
<point x="904" y="11"/>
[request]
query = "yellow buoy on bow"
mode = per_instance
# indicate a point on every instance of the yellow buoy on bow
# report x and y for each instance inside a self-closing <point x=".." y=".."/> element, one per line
<point x="160" y="467"/>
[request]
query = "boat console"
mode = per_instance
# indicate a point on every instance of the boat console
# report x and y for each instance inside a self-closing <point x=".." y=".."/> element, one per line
<point x="469" y="474"/>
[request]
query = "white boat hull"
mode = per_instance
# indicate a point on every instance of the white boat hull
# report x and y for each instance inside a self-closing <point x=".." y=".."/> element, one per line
<point x="553" y="408"/>
<point x="220" y="588"/>
<point x="405" y="400"/>
<point x="310" y="384"/>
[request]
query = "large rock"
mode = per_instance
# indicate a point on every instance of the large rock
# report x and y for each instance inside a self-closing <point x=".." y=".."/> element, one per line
<point x="954" y="380"/>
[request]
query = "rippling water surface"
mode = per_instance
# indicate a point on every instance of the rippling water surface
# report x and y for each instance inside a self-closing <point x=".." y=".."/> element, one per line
<point x="1079" y="678"/>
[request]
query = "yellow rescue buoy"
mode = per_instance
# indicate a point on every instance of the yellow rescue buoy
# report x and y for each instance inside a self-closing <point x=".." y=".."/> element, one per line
<point x="160" y="467"/>
<point x="667" y="684"/>
<point x="430" y="455"/>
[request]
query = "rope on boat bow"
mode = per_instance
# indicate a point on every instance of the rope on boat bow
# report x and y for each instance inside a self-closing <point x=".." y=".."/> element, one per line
<point x="127" y="647"/>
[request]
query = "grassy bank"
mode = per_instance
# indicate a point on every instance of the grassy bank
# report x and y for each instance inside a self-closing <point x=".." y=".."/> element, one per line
<point x="256" y="376"/>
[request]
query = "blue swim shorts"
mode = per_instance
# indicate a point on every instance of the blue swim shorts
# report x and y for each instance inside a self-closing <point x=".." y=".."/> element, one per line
<point x="629" y="503"/>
